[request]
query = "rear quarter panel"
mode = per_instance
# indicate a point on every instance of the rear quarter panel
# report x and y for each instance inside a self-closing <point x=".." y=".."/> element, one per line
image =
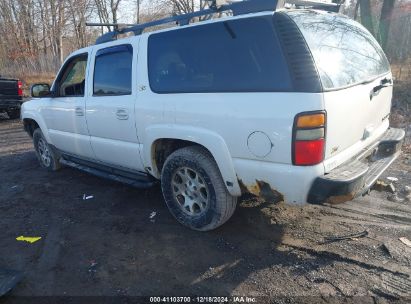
<point x="236" y="116"/>
<point x="232" y="117"/>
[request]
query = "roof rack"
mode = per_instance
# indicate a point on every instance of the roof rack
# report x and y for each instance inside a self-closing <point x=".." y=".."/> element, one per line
<point x="320" y="5"/>
<point x="237" y="8"/>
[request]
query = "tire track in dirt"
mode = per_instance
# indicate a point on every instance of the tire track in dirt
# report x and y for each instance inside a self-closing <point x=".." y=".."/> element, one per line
<point x="49" y="259"/>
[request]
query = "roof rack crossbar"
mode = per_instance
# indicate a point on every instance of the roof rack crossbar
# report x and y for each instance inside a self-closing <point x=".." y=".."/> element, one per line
<point x="320" y="5"/>
<point x="238" y="8"/>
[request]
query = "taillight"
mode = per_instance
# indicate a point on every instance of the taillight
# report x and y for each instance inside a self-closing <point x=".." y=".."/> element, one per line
<point x="19" y="88"/>
<point x="309" y="138"/>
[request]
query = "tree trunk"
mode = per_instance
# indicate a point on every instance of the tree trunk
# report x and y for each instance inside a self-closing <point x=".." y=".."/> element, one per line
<point x="366" y="15"/>
<point x="357" y="6"/>
<point x="385" y="22"/>
<point x="138" y="11"/>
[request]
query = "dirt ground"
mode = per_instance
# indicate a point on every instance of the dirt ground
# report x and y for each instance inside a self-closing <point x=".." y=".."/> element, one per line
<point x="109" y="246"/>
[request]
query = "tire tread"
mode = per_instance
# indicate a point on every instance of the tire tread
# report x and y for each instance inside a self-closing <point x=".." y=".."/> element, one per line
<point x="228" y="203"/>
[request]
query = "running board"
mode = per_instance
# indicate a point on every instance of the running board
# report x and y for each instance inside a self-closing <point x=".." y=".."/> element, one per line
<point x="140" y="181"/>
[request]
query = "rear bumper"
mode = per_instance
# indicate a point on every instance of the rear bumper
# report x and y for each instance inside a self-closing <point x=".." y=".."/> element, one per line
<point x="357" y="176"/>
<point x="10" y="104"/>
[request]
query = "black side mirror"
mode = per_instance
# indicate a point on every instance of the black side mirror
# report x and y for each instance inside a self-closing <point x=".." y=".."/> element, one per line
<point x="40" y="90"/>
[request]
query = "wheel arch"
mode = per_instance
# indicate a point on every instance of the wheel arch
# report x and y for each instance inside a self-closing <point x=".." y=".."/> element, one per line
<point x="32" y="122"/>
<point x="161" y="141"/>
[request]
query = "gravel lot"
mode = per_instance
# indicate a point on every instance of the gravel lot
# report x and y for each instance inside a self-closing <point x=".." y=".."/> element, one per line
<point x="109" y="246"/>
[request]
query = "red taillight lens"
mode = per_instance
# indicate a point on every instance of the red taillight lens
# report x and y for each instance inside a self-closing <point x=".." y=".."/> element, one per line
<point x="20" y="88"/>
<point x="309" y="139"/>
<point x="309" y="152"/>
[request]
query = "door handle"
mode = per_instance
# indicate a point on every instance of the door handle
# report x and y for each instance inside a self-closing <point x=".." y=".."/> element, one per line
<point x="122" y="114"/>
<point x="386" y="82"/>
<point x="79" y="111"/>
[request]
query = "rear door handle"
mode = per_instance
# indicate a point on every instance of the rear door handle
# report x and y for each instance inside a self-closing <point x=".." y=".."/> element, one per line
<point x="122" y="114"/>
<point x="386" y="82"/>
<point x="79" y="111"/>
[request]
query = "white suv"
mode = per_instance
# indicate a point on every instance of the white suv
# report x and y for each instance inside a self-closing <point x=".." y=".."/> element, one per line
<point x="291" y="105"/>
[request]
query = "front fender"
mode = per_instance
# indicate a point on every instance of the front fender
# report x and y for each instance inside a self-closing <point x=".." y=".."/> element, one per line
<point x="213" y="142"/>
<point x="28" y="113"/>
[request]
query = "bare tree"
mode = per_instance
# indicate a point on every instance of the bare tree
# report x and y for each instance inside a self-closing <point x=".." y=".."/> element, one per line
<point x="79" y="11"/>
<point x="138" y="10"/>
<point x="366" y="16"/>
<point x="385" y="22"/>
<point x="36" y="35"/>
<point x="107" y="11"/>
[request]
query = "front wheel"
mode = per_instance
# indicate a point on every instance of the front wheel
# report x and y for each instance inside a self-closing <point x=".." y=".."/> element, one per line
<point x="47" y="157"/>
<point x="194" y="190"/>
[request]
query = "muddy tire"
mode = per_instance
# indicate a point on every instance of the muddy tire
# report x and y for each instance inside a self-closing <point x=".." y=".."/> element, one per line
<point x="45" y="154"/>
<point x="194" y="190"/>
<point x="14" y="114"/>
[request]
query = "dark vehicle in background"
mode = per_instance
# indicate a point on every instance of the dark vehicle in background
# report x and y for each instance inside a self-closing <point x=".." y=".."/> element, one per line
<point x="11" y="97"/>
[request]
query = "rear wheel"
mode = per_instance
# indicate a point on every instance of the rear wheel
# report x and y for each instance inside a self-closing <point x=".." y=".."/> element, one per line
<point x="47" y="157"/>
<point x="13" y="114"/>
<point x="194" y="190"/>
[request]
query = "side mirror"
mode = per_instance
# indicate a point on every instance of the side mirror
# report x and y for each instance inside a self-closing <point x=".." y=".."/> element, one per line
<point x="40" y="90"/>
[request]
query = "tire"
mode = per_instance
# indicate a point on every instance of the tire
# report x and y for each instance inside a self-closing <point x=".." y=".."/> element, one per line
<point x="14" y="114"/>
<point x="45" y="154"/>
<point x="194" y="190"/>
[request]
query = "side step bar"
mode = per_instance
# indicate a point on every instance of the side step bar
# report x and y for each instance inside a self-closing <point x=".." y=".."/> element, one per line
<point x="139" y="181"/>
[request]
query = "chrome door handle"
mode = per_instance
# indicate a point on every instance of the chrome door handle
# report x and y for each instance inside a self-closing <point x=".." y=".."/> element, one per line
<point x="79" y="111"/>
<point x="122" y="114"/>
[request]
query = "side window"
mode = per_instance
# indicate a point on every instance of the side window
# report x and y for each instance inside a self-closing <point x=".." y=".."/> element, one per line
<point x="113" y="70"/>
<point x="73" y="77"/>
<point x="241" y="55"/>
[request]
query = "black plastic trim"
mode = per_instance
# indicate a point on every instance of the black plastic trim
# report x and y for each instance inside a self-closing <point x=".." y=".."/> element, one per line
<point x="10" y="103"/>
<point x="115" y="49"/>
<point x="302" y="68"/>
<point x="134" y="178"/>
<point x="367" y="169"/>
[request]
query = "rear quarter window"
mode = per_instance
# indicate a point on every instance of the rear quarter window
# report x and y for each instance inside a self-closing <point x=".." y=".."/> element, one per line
<point x="344" y="52"/>
<point x="240" y="55"/>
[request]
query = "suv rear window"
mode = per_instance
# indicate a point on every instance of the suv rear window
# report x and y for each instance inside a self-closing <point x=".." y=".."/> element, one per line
<point x="345" y="53"/>
<point x="240" y="55"/>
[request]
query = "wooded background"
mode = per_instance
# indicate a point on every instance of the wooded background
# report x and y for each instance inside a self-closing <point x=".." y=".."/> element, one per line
<point x="36" y="35"/>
